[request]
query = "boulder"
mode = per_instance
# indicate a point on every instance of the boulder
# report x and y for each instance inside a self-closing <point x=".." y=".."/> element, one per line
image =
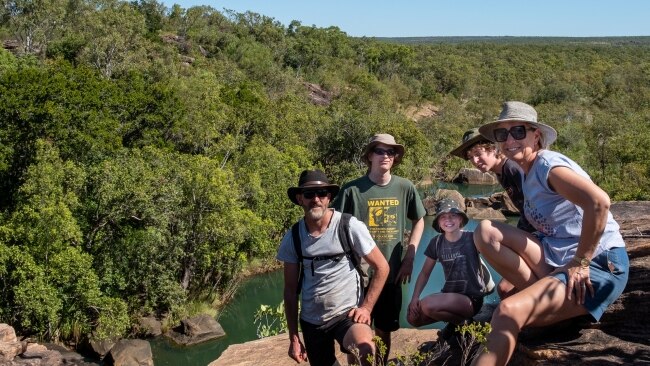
<point x="130" y="352"/>
<point x="44" y="356"/>
<point x="484" y="213"/>
<point x="475" y="176"/>
<point x="149" y="327"/>
<point x="195" y="330"/>
<point x="100" y="348"/>
<point x="502" y="202"/>
<point x="69" y="356"/>
<point x="431" y="201"/>
<point x="7" y="333"/>
<point x="9" y="350"/>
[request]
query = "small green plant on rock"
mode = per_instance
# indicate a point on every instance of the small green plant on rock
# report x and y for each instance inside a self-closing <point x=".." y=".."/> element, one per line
<point x="473" y="339"/>
<point x="417" y="358"/>
<point x="270" y="320"/>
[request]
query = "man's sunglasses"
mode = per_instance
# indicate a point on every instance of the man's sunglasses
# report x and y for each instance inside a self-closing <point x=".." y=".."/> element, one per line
<point x="321" y="193"/>
<point x="381" y="152"/>
<point x="517" y="133"/>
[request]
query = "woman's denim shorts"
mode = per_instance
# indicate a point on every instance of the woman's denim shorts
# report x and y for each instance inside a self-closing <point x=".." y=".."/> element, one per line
<point x="608" y="272"/>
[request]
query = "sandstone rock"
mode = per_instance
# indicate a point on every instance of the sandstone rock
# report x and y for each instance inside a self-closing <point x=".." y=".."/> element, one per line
<point x="431" y="201"/>
<point x="485" y="213"/>
<point x="130" y="352"/>
<point x="475" y="176"/>
<point x="7" y="333"/>
<point x="149" y="327"/>
<point x="40" y="355"/>
<point x="9" y="350"/>
<point x="318" y="95"/>
<point x="420" y="112"/>
<point x="405" y="341"/>
<point x="102" y="347"/>
<point x="502" y="202"/>
<point x="195" y="330"/>
<point x="69" y="356"/>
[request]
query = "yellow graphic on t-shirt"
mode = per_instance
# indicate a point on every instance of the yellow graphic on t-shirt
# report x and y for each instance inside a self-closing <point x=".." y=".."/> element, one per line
<point x="382" y="219"/>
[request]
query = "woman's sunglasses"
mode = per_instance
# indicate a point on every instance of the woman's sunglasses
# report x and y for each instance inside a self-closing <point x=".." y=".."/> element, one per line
<point x="517" y="133"/>
<point x="321" y="193"/>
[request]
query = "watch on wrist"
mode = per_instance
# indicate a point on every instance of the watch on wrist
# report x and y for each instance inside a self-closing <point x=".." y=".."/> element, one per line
<point x="582" y="261"/>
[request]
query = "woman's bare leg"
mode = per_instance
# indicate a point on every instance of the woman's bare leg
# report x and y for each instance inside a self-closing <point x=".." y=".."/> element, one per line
<point x="543" y="303"/>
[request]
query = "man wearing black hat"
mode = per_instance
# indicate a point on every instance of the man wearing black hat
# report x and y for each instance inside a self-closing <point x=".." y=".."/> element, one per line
<point x="333" y="303"/>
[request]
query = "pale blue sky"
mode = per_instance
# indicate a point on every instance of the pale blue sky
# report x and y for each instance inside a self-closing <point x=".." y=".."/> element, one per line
<point x="404" y="18"/>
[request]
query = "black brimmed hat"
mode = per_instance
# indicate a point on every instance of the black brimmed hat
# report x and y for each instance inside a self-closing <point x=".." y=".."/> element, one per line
<point x="312" y="179"/>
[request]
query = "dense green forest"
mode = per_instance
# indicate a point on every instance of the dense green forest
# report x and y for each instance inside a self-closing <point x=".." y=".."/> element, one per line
<point x="145" y="152"/>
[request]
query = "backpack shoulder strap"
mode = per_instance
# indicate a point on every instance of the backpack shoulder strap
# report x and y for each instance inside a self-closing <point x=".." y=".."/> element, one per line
<point x="344" y="237"/>
<point x="438" y="243"/>
<point x="295" y="234"/>
<point x="357" y="261"/>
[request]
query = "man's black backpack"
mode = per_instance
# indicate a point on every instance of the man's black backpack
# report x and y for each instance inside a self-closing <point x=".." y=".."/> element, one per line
<point x="344" y="238"/>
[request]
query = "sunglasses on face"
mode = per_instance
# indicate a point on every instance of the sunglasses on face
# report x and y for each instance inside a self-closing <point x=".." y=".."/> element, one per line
<point x="517" y="133"/>
<point x="321" y="193"/>
<point x="381" y="152"/>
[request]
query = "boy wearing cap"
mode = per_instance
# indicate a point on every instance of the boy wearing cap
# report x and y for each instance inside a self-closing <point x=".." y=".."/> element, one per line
<point x="462" y="295"/>
<point x="333" y="304"/>
<point x="483" y="154"/>
<point x="384" y="202"/>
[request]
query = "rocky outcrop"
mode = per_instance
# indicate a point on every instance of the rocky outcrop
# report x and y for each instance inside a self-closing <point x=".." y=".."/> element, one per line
<point x="195" y="330"/>
<point x="475" y="176"/>
<point x="149" y="327"/>
<point x="499" y="201"/>
<point x="98" y="348"/>
<point x="130" y="352"/>
<point x="431" y="201"/>
<point x="420" y="112"/>
<point x="621" y="337"/>
<point x="484" y="214"/>
<point x="318" y="95"/>
<point x="272" y="351"/>
<point x="16" y="352"/>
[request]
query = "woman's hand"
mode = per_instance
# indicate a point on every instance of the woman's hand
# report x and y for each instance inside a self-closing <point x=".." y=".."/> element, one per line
<point x="578" y="279"/>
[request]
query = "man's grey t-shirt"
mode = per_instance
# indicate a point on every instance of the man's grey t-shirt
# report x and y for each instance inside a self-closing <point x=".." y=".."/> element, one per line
<point x="333" y="287"/>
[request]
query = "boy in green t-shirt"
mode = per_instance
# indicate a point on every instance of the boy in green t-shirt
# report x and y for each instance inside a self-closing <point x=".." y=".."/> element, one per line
<point x="384" y="202"/>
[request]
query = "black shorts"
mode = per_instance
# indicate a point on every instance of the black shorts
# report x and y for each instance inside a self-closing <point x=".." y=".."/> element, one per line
<point x="319" y="339"/>
<point x="385" y="314"/>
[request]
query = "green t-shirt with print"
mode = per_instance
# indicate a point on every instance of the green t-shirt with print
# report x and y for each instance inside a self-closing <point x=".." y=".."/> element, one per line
<point x="384" y="209"/>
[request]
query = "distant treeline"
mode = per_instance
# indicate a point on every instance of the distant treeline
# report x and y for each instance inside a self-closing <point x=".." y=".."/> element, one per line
<point x="511" y="40"/>
<point x="145" y="151"/>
